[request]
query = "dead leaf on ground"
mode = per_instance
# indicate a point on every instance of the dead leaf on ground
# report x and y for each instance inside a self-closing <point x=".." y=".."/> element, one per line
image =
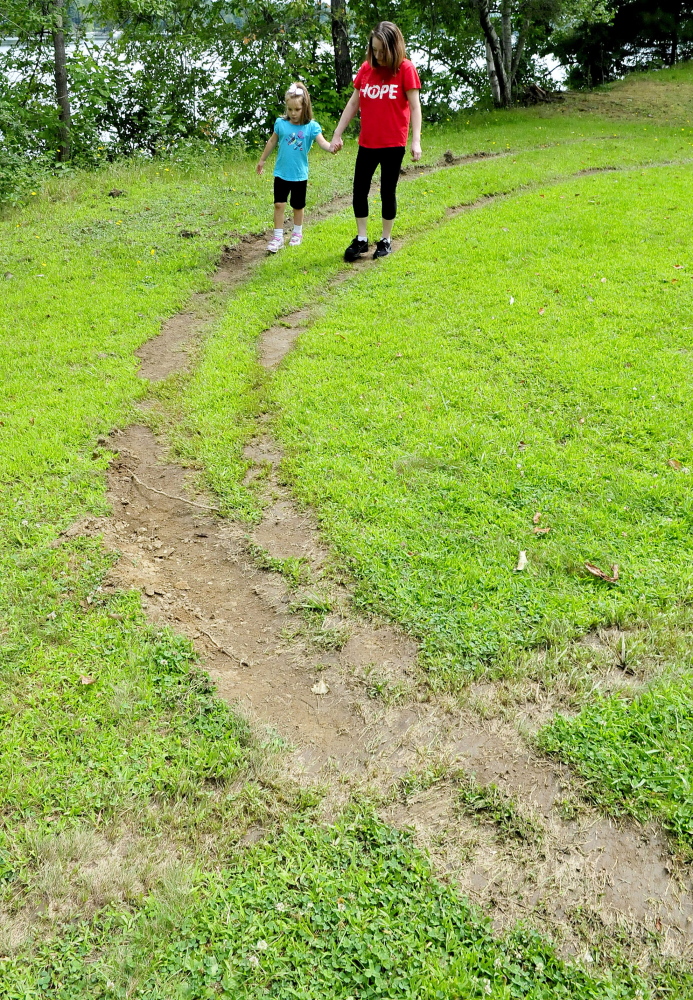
<point x="537" y="517"/>
<point x="87" y="679"/>
<point x="675" y="464"/>
<point x="541" y="531"/>
<point x="521" y="561"/>
<point x="320" y="687"/>
<point x="542" y="311"/>
<point x="596" y="571"/>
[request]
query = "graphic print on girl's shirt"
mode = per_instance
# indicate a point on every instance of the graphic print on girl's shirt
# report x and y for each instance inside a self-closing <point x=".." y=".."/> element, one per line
<point x="294" y="142"/>
<point x="384" y="104"/>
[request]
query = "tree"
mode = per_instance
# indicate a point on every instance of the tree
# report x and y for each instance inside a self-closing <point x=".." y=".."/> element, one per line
<point x="506" y="44"/>
<point x="643" y="34"/>
<point x="343" y="70"/>
<point x="60" y="75"/>
<point x="33" y="23"/>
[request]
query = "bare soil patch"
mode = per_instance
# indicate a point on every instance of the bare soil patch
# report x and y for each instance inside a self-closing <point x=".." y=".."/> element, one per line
<point x="169" y="352"/>
<point x="345" y="693"/>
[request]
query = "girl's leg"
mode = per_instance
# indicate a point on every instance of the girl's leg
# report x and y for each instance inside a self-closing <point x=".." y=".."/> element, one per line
<point x="390" y="166"/>
<point x="298" y="204"/>
<point x="279" y="210"/>
<point x="366" y="162"/>
<point x="299" y="190"/>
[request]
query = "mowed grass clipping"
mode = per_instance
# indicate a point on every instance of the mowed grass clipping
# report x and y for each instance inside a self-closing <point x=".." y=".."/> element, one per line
<point x="635" y="756"/>
<point x="531" y="357"/>
<point x="349" y="910"/>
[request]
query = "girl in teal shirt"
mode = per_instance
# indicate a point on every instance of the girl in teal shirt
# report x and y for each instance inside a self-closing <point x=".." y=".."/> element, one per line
<point x="293" y="135"/>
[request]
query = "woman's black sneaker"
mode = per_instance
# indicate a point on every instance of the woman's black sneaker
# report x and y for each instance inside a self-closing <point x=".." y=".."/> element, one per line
<point x="357" y="248"/>
<point x="382" y="249"/>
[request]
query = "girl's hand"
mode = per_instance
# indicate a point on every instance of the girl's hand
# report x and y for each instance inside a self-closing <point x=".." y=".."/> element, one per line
<point x="416" y="151"/>
<point x="260" y="167"/>
<point x="336" y="144"/>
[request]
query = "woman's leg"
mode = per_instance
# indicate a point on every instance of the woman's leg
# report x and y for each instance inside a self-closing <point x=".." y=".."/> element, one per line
<point x="390" y="166"/>
<point x="366" y="162"/>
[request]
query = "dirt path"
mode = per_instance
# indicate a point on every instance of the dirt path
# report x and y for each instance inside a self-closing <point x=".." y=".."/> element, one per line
<point x="346" y="693"/>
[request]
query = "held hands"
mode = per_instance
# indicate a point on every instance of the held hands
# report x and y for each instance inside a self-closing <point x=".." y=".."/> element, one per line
<point x="260" y="167"/>
<point x="336" y="144"/>
<point x="416" y="151"/>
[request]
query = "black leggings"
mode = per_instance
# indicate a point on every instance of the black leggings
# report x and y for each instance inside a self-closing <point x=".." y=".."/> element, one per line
<point x="390" y="160"/>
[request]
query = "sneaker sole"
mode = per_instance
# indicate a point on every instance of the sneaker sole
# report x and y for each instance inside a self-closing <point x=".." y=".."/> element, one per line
<point x="350" y="259"/>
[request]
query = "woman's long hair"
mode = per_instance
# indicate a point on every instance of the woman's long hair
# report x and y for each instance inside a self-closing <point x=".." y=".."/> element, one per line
<point x="392" y="41"/>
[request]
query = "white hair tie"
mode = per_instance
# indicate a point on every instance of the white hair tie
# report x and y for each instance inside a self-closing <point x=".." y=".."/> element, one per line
<point x="294" y="90"/>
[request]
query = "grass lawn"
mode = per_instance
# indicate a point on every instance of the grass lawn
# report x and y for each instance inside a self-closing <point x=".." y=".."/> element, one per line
<point x="530" y="357"/>
<point x="425" y="444"/>
<point x="345" y="911"/>
<point x="635" y="756"/>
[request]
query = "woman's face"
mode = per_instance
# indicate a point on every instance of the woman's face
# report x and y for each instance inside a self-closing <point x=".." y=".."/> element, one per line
<point x="294" y="109"/>
<point x="378" y="50"/>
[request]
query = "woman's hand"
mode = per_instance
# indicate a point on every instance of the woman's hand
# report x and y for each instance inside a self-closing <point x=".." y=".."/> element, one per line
<point x="336" y="144"/>
<point x="260" y="167"/>
<point x="416" y="151"/>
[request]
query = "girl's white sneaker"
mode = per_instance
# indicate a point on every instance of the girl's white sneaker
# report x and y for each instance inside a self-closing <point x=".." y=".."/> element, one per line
<point x="296" y="239"/>
<point x="276" y="243"/>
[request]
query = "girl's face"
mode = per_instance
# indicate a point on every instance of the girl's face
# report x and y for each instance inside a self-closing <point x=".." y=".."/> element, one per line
<point x="294" y="109"/>
<point x="378" y="50"/>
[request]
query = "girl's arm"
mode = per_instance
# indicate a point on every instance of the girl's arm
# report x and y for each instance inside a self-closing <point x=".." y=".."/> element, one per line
<point x="350" y="111"/>
<point x="415" y="106"/>
<point x="271" y="143"/>
<point x="322" y="142"/>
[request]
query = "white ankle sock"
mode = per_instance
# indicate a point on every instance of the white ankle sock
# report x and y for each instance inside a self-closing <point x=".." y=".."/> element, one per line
<point x="299" y="230"/>
<point x="386" y="238"/>
<point x="279" y="233"/>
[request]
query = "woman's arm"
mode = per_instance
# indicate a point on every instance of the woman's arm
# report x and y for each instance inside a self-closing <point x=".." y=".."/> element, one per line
<point x="415" y="106"/>
<point x="271" y="143"/>
<point x="322" y="142"/>
<point x="350" y="111"/>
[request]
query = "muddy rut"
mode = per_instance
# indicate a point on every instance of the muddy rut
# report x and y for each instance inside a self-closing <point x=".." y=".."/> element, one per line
<point x="345" y="693"/>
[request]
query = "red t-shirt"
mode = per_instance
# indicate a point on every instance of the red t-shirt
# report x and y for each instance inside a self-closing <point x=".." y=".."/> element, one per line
<point x="384" y="105"/>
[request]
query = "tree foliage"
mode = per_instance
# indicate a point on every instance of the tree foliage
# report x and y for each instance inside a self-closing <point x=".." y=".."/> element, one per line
<point x="144" y="75"/>
<point x="642" y="34"/>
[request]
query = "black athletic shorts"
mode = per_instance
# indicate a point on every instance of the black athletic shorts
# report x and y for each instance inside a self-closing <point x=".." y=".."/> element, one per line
<point x="297" y="190"/>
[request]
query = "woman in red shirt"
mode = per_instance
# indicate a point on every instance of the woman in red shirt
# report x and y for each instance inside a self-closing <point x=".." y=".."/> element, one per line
<point x="386" y="91"/>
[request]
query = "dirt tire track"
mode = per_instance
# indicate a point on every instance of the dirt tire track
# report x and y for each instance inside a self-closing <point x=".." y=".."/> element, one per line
<point x="267" y="652"/>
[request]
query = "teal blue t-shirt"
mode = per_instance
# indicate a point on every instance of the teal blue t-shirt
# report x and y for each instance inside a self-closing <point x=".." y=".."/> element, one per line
<point x="292" y="149"/>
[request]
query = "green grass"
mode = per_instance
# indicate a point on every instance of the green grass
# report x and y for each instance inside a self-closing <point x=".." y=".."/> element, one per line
<point x="444" y="416"/>
<point x="145" y="749"/>
<point x="352" y="910"/>
<point x="636" y="756"/>
<point x="99" y="710"/>
<point x="214" y="410"/>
